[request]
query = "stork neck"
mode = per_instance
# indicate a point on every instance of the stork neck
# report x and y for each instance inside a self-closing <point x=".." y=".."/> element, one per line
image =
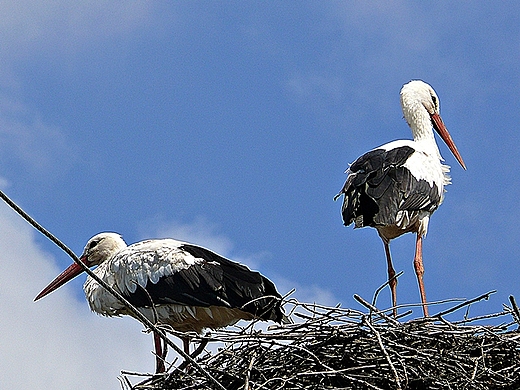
<point x="426" y="142"/>
<point x="417" y="117"/>
<point x="421" y="126"/>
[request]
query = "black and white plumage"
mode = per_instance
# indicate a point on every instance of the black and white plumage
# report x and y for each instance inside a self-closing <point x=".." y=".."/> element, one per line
<point x="189" y="287"/>
<point x="396" y="187"/>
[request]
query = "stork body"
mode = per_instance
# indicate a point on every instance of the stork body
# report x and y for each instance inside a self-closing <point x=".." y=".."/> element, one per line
<point x="171" y="282"/>
<point x="396" y="187"/>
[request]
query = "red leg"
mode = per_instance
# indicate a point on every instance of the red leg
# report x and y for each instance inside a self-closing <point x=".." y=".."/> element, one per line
<point x="159" y="358"/>
<point x="419" y="271"/>
<point x="186" y="344"/>
<point x="392" y="281"/>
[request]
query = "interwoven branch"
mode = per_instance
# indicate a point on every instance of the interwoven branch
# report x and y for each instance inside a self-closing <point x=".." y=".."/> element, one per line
<point x="333" y="347"/>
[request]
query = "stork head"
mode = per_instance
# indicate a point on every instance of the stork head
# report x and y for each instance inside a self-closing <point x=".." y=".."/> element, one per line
<point x="99" y="248"/>
<point x="421" y="109"/>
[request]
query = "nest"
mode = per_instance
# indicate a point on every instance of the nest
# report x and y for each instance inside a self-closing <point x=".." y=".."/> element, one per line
<point x="339" y="348"/>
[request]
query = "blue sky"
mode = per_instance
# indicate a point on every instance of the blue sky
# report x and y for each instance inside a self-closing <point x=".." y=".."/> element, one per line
<point x="230" y="124"/>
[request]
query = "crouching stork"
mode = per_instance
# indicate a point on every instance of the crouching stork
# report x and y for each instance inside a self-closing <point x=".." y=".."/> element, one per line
<point x="182" y="285"/>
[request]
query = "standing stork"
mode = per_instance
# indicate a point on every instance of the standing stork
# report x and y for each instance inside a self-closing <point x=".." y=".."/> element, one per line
<point x="396" y="187"/>
<point x="172" y="282"/>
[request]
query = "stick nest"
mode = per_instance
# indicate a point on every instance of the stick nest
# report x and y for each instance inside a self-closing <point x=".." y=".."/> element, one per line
<point x="334" y="347"/>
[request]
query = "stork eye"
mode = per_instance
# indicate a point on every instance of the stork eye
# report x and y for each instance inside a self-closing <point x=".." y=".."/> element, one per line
<point x="434" y="99"/>
<point x="93" y="244"/>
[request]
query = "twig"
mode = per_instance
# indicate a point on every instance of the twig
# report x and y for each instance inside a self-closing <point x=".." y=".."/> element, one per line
<point x="125" y="383"/>
<point x="375" y="310"/>
<point x="515" y="309"/>
<point x="482" y="317"/>
<point x="466" y="303"/>
<point x="384" y="285"/>
<point x="385" y="353"/>
<point x="248" y="373"/>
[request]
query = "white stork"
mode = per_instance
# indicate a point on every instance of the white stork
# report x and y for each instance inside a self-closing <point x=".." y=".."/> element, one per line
<point x="397" y="186"/>
<point x="186" y="286"/>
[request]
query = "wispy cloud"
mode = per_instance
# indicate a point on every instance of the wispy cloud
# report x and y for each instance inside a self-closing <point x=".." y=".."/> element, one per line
<point x="29" y="27"/>
<point x="311" y="86"/>
<point x="51" y="34"/>
<point x="27" y="139"/>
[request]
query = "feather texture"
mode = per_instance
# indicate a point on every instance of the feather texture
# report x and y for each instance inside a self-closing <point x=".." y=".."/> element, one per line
<point x="387" y="188"/>
<point x="190" y="287"/>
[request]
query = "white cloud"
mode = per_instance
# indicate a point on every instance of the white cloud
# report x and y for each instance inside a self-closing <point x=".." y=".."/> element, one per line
<point x="4" y="183"/>
<point x="306" y="294"/>
<point x="57" y="341"/>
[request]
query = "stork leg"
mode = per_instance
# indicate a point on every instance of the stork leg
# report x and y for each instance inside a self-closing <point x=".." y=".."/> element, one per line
<point x="186" y="341"/>
<point x="186" y="344"/>
<point x="159" y="355"/>
<point x="392" y="281"/>
<point x="419" y="271"/>
<point x="185" y="366"/>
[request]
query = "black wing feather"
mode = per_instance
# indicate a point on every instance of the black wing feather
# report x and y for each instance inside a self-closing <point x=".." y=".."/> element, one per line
<point x="215" y="281"/>
<point x="378" y="186"/>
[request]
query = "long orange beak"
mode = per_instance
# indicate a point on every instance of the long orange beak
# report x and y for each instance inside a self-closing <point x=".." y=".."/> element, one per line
<point x="439" y="126"/>
<point x="70" y="273"/>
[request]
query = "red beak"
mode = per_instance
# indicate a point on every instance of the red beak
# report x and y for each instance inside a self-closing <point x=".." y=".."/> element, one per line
<point x="439" y="126"/>
<point x="70" y="273"/>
